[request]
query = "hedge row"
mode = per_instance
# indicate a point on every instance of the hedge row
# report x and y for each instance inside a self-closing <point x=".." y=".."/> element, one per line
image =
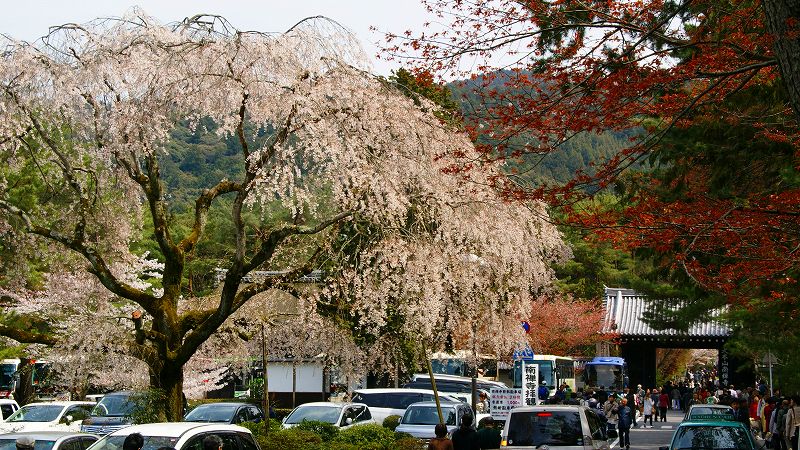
<point x="324" y="436"/>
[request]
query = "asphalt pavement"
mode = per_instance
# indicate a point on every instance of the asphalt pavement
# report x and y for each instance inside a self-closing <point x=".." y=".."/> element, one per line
<point x="652" y="438"/>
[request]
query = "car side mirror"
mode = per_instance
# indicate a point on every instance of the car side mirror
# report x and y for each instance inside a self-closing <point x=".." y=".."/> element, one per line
<point x="349" y="421"/>
<point x="587" y="440"/>
<point x="67" y="419"/>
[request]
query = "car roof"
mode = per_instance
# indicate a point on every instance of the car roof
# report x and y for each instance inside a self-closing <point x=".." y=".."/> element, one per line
<point x="176" y="429"/>
<point x="712" y="423"/>
<point x="442" y="403"/>
<point x="548" y="408"/>
<point x="332" y="404"/>
<point x="709" y="405"/>
<point x="61" y="403"/>
<point x="227" y="404"/>
<point x="44" y="435"/>
<point x="395" y="390"/>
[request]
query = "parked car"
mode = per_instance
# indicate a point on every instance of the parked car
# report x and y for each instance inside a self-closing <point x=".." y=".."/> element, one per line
<point x="52" y="416"/>
<point x="564" y="426"/>
<point x="225" y="412"/>
<point x="452" y="383"/>
<point x="180" y="436"/>
<point x="393" y="401"/>
<point x="50" y="440"/>
<point x="7" y="408"/>
<point x="714" y="434"/>
<point x="420" y="419"/>
<point x="111" y="413"/>
<point x="341" y="415"/>
<point x="709" y="412"/>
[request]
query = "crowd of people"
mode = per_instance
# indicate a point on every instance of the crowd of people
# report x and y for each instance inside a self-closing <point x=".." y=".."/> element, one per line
<point x="775" y="418"/>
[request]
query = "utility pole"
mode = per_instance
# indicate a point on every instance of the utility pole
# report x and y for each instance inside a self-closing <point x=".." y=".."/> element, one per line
<point x="265" y="378"/>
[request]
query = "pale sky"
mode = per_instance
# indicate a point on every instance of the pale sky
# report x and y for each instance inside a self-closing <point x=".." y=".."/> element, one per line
<point x="29" y="19"/>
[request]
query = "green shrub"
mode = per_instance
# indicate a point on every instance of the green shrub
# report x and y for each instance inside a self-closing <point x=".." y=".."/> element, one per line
<point x="324" y="430"/>
<point x="391" y="422"/>
<point x="370" y="436"/>
<point x="257" y="428"/>
<point x="290" y="439"/>
<point x="409" y="443"/>
<point x="280" y="413"/>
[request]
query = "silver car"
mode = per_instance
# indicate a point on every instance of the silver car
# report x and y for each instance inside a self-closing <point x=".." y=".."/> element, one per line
<point x="420" y="419"/>
<point x="562" y="426"/>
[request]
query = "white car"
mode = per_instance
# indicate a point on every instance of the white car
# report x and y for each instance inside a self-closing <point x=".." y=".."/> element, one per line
<point x="48" y="416"/>
<point x="561" y="427"/>
<point x="50" y="440"/>
<point x="7" y="408"/>
<point x="180" y="436"/>
<point x="394" y="401"/>
<point x="341" y="415"/>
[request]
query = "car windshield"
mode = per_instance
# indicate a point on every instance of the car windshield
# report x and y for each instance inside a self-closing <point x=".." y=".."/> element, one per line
<point x="712" y="437"/>
<point x="36" y="413"/>
<point x="531" y="428"/>
<point x="329" y="414"/>
<point x="115" y="443"/>
<point x="11" y="444"/>
<point x="114" y="405"/>
<point x="211" y="413"/>
<point x="427" y="415"/>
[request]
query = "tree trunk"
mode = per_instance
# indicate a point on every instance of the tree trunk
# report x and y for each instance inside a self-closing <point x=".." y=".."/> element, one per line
<point x="169" y="381"/>
<point x="24" y="392"/>
<point x="783" y="21"/>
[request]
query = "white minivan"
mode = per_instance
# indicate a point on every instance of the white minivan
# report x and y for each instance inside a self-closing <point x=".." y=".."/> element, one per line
<point x="385" y="402"/>
<point x="565" y="427"/>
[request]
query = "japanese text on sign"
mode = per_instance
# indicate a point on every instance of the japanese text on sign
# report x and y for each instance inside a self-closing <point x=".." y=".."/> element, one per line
<point x="502" y="401"/>
<point x="530" y="383"/>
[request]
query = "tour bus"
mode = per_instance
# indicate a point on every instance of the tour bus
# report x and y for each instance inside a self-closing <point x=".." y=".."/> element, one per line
<point x="8" y="381"/>
<point x="553" y="370"/>
<point x="606" y="372"/>
<point x="464" y="363"/>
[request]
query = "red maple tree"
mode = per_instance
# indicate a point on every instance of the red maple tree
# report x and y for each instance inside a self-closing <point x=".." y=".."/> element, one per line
<point x="564" y="326"/>
<point x="725" y="207"/>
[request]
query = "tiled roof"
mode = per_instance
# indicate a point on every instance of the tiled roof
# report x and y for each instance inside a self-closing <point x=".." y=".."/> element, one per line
<point x="625" y="308"/>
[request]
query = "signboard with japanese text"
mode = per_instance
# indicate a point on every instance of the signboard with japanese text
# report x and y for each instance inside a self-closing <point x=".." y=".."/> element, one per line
<point x="530" y="384"/>
<point x="502" y="401"/>
<point x="723" y="368"/>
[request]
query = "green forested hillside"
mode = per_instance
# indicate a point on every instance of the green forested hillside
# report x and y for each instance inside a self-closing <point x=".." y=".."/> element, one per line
<point x="556" y="167"/>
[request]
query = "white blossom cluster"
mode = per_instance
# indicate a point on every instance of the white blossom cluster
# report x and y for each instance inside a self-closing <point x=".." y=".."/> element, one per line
<point x="449" y="257"/>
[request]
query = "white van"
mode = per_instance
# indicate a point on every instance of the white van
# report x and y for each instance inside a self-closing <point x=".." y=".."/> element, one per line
<point x="562" y="427"/>
<point x="394" y="401"/>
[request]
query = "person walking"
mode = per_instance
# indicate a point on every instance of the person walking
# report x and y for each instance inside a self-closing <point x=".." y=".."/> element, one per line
<point x="464" y="437"/>
<point x="676" y="398"/>
<point x="654" y="396"/>
<point x="440" y="442"/>
<point x="741" y="412"/>
<point x="780" y="424"/>
<point x="543" y="392"/>
<point x="488" y="436"/>
<point x="625" y="417"/>
<point x="647" y="410"/>
<point x="792" y="431"/>
<point x="663" y="405"/>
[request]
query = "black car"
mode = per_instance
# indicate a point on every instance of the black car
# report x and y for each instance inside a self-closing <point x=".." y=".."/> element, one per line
<point x="111" y="413"/>
<point x="225" y="412"/>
